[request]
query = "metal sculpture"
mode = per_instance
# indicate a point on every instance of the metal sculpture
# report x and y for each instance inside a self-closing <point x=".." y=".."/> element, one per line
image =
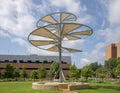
<point x="53" y="29"/>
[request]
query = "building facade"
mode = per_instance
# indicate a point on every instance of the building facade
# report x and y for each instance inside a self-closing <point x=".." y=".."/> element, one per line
<point x="112" y="51"/>
<point x="34" y="66"/>
<point x="33" y="58"/>
<point x="33" y="62"/>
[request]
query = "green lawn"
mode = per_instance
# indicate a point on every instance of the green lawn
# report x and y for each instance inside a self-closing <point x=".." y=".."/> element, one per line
<point x="101" y="88"/>
<point x="21" y="87"/>
<point x="25" y="87"/>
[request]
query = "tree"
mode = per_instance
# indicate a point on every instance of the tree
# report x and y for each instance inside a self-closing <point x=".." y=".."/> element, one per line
<point x="9" y="71"/>
<point x="42" y="72"/>
<point x="110" y="65"/>
<point x="118" y="70"/>
<point x="94" y="66"/>
<point x="23" y="73"/>
<point x="87" y="72"/>
<point x="101" y="72"/>
<point x="74" y="72"/>
<point x="53" y="68"/>
<point x="17" y="73"/>
<point x="34" y="74"/>
<point x="118" y="61"/>
<point x="0" y="74"/>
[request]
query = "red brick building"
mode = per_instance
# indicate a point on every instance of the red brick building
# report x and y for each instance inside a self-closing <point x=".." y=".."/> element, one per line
<point x="112" y="51"/>
<point x="33" y="62"/>
<point x="34" y="66"/>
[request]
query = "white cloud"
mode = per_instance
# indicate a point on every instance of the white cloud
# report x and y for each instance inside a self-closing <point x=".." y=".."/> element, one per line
<point x="44" y="8"/>
<point x="35" y="50"/>
<point x="19" y="41"/>
<point x="105" y="3"/>
<point x="16" y="17"/>
<point x="95" y="55"/>
<point x="71" y="5"/>
<point x="114" y="13"/>
<point x="17" y="20"/>
<point x="32" y="49"/>
<point x="84" y="62"/>
<point x="75" y="44"/>
<point x="3" y="34"/>
<point x="110" y="35"/>
<point x="85" y="19"/>
<point x="74" y="7"/>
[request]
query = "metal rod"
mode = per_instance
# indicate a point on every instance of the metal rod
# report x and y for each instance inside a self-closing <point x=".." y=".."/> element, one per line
<point x="61" y="75"/>
<point x="60" y="56"/>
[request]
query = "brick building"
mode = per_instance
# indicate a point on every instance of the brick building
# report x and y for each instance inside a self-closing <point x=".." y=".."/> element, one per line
<point x="33" y="62"/>
<point x="112" y="51"/>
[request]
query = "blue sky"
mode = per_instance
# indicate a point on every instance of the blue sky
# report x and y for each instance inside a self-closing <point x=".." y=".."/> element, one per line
<point x="18" y="18"/>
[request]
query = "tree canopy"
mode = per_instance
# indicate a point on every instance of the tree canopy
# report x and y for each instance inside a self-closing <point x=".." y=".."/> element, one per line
<point x="42" y="72"/>
<point x="53" y="68"/>
<point x="23" y="73"/>
<point x="74" y="72"/>
<point x="34" y="74"/>
<point x="87" y="72"/>
<point x="17" y="73"/>
<point x="9" y="71"/>
<point x="118" y="70"/>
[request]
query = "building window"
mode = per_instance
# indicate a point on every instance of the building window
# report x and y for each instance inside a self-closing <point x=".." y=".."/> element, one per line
<point x="45" y="61"/>
<point x="37" y="61"/>
<point x="29" y="61"/>
<point x="6" y="60"/>
<point x="21" y="61"/>
<point x="14" y="61"/>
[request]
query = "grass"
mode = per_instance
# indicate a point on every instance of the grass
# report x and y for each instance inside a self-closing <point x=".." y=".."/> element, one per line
<point x="101" y="88"/>
<point x="21" y="87"/>
<point x="25" y="87"/>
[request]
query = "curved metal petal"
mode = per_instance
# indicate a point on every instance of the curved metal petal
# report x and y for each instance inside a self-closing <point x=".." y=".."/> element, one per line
<point x="51" y="28"/>
<point x="64" y="16"/>
<point x="70" y="37"/>
<point x="68" y="27"/>
<point x="41" y="42"/>
<point x="71" y="19"/>
<point x="44" y="33"/>
<point x="86" y="32"/>
<point x="49" y="19"/>
<point x="53" y="48"/>
<point x="71" y="50"/>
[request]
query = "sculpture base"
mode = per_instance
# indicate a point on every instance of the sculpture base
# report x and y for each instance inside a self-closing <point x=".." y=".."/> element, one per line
<point x="59" y="86"/>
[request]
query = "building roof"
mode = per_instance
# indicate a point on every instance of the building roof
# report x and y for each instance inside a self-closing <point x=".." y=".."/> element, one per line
<point x="33" y="58"/>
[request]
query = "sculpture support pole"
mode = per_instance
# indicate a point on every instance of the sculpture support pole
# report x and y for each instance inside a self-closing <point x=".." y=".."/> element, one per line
<point x="61" y="75"/>
<point x="60" y="56"/>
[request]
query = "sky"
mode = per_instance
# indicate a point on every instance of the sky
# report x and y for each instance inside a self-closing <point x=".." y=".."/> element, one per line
<point x="18" y="18"/>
